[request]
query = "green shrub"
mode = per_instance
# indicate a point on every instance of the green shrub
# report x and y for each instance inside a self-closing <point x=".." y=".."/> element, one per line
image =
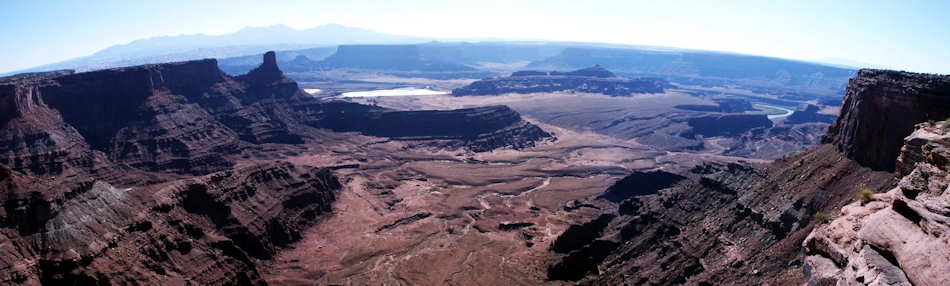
<point x="821" y="217"/>
<point x="434" y="189"/>
<point x="865" y="195"/>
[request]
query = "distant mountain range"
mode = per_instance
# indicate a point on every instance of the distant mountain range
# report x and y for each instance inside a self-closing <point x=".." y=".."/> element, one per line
<point x="248" y="41"/>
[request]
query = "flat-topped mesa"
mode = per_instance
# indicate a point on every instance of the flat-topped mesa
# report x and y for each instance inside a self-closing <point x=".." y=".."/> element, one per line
<point x="594" y="71"/>
<point x="881" y="108"/>
<point x="594" y="79"/>
<point x="479" y="129"/>
<point x="34" y="76"/>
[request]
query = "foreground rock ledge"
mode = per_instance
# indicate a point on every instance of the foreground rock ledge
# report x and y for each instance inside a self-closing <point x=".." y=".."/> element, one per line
<point x="895" y="238"/>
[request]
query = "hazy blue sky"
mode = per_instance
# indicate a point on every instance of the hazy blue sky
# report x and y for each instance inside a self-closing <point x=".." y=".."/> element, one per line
<point x="911" y="35"/>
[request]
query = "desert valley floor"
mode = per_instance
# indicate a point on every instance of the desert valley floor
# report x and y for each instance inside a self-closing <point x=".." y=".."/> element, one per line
<point x="419" y="214"/>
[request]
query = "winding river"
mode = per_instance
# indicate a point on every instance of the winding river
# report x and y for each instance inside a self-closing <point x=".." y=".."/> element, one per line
<point x="785" y="111"/>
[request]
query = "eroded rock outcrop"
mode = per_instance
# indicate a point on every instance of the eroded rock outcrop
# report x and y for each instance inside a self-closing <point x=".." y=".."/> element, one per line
<point x="881" y="108"/>
<point x="898" y="237"/>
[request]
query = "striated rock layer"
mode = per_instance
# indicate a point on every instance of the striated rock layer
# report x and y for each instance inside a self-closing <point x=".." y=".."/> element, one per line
<point x="880" y="109"/>
<point x="213" y="229"/>
<point x="898" y="237"/>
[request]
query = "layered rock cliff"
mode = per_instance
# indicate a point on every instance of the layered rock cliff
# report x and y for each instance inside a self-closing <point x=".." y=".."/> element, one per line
<point x="880" y="108"/>
<point x="897" y="237"/>
<point x="181" y="117"/>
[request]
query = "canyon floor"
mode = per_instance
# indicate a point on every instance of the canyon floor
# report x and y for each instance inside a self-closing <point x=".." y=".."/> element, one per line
<point x="418" y="214"/>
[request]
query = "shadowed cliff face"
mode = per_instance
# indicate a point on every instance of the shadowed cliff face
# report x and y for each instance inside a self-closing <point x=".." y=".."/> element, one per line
<point x="880" y="108"/>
